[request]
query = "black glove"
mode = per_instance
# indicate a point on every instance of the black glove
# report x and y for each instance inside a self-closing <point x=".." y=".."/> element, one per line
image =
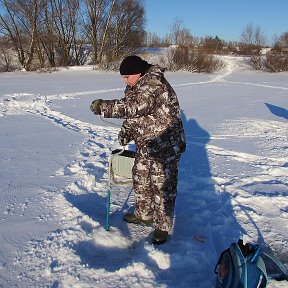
<point x="124" y="137"/>
<point x="96" y="106"/>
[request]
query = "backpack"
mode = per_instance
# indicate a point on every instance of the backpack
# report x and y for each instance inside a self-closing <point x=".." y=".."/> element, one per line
<point x="243" y="266"/>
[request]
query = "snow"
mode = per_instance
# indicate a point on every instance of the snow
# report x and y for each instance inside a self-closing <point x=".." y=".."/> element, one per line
<point x="53" y="180"/>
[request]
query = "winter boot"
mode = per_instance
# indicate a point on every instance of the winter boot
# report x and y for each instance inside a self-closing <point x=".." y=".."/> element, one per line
<point x="132" y="218"/>
<point x="159" y="237"/>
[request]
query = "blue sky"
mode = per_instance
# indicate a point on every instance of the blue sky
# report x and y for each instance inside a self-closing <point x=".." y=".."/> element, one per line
<point x="224" y="18"/>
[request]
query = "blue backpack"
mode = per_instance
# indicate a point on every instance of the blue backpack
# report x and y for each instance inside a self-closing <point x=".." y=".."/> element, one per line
<point x="243" y="266"/>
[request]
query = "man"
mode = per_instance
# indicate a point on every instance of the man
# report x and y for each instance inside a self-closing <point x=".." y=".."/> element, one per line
<point x="152" y="119"/>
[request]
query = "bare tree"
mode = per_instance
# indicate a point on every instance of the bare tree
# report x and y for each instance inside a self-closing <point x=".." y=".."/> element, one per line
<point x="52" y="31"/>
<point x="112" y="26"/>
<point x="9" y="28"/>
<point x="152" y="40"/>
<point x="31" y="13"/>
<point x="175" y="29"/>
<point x="247" y="35"/>
<point x="93" y="14"/>
<point x="281" y="43"/>
<point x="126" y="29"/>
<point x="185" y="38"/>
<point x="64" y="14"/>
<point x="277" y="59"/>
<point x="106" y="29"/>
<point x="252" y="40"/>
<point x="19" y="22"/>
<point x="48" y="38"/>
<point x="6" y="64"/>
<point x="180" y="35"/>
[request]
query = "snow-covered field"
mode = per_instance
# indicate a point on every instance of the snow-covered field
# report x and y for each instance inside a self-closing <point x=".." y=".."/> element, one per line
<point x="53" y="180"/>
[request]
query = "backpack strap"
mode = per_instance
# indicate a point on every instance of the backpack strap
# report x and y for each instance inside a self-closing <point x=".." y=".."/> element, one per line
<point x="278" y="263"/>
<point x="261" y="266"/>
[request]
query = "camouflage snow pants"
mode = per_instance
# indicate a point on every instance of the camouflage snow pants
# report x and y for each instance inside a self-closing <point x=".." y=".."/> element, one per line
<point x="155" y="188"/>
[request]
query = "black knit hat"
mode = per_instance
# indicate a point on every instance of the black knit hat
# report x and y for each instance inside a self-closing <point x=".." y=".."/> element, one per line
<point x="133" y="65"/>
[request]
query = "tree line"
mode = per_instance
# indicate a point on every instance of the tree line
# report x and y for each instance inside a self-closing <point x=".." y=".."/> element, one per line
<point x="251" y="41"/>
<point x="68" y="32"/>
<point x="196" y="53"/>
<point x="52" y="33"/>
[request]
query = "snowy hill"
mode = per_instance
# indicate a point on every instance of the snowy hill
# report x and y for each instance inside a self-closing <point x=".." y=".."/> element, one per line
<point x="53" y="180"/>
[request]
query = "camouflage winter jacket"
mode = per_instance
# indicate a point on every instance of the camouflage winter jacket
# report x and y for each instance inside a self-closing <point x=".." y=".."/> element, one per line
<point x="152" y="115"/>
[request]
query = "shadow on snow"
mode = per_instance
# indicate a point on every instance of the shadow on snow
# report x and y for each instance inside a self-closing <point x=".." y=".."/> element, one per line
<point x="204" y="224"/>
<point x="278" y="111"/>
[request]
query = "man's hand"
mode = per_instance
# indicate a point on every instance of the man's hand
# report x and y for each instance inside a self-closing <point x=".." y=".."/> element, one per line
<point x="95" y="106"/>
<point x="124" y="137"/>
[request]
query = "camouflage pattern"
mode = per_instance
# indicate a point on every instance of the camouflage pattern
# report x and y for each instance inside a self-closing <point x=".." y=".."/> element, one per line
<point x="155" y="187"/>
<point x="152" y="119"/>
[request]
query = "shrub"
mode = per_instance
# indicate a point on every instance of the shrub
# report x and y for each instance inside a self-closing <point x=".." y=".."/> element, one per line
<point x="256" y="62"/>
<point x="191" y="59"/>
<point x="276" y="63"/>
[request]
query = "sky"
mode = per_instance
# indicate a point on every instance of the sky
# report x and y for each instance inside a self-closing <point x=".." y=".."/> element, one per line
<point x="223" y="18"/>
